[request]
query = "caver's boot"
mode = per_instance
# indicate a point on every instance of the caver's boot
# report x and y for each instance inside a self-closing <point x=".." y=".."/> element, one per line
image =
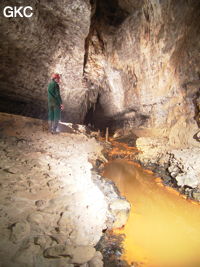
<point x="55" y="125"/>
<point x="51" y="126"/>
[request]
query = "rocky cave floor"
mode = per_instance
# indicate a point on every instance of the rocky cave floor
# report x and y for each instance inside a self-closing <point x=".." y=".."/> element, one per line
<point x="47" y="181"/>
<point x="53" y="208"/>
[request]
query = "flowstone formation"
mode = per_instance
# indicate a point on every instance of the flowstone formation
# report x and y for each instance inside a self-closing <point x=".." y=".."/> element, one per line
<point x="53" y="207"/>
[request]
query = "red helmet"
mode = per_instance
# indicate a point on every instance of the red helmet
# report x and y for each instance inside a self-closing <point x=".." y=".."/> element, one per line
<point x="55" y="76"/>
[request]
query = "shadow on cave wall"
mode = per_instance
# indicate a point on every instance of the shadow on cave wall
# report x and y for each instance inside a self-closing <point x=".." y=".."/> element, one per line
<point x="12" y="87"/>
<point x="97" y="119"/>
<point x="196" y="102"/>
<point x="23" y="108"/>
<point x="110" y="12"/>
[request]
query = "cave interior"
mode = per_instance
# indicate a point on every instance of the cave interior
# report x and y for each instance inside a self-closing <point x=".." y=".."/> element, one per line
<point x="123" y="63"/>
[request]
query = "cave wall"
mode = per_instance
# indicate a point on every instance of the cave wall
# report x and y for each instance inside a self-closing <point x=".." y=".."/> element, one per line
<point x="146" y="64"/>
<point x="31" y="49"/>
<point x="129" y="63"/>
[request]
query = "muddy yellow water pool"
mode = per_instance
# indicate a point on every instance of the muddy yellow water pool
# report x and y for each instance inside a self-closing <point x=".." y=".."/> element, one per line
<point x="163" y="229"/>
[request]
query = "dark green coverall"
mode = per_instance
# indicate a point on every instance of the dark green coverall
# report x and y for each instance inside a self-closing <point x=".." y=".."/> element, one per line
<point x="54" y="102"/>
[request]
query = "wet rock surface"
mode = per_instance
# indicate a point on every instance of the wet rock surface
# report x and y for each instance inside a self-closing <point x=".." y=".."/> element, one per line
<point x="184" y="166"/>
<point x="111" y="246"/>
<point x="178" y="167"/>
<point x="53" y="208"/>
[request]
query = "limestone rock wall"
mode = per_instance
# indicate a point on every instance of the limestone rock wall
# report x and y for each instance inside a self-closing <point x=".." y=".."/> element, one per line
<point x="143" y="56"/>
<point x="143" y="59"/>
<point x="137" y="61"/>
<point x="31" y="49"/>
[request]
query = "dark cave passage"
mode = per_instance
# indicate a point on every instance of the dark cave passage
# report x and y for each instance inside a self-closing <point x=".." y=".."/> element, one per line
<point x="23" y="108"/>
<point x="111" y="12"/>
<point x="96" y="118"/>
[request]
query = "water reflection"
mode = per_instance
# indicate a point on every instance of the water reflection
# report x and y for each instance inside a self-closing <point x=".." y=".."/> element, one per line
<point x="163" y="229"/>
